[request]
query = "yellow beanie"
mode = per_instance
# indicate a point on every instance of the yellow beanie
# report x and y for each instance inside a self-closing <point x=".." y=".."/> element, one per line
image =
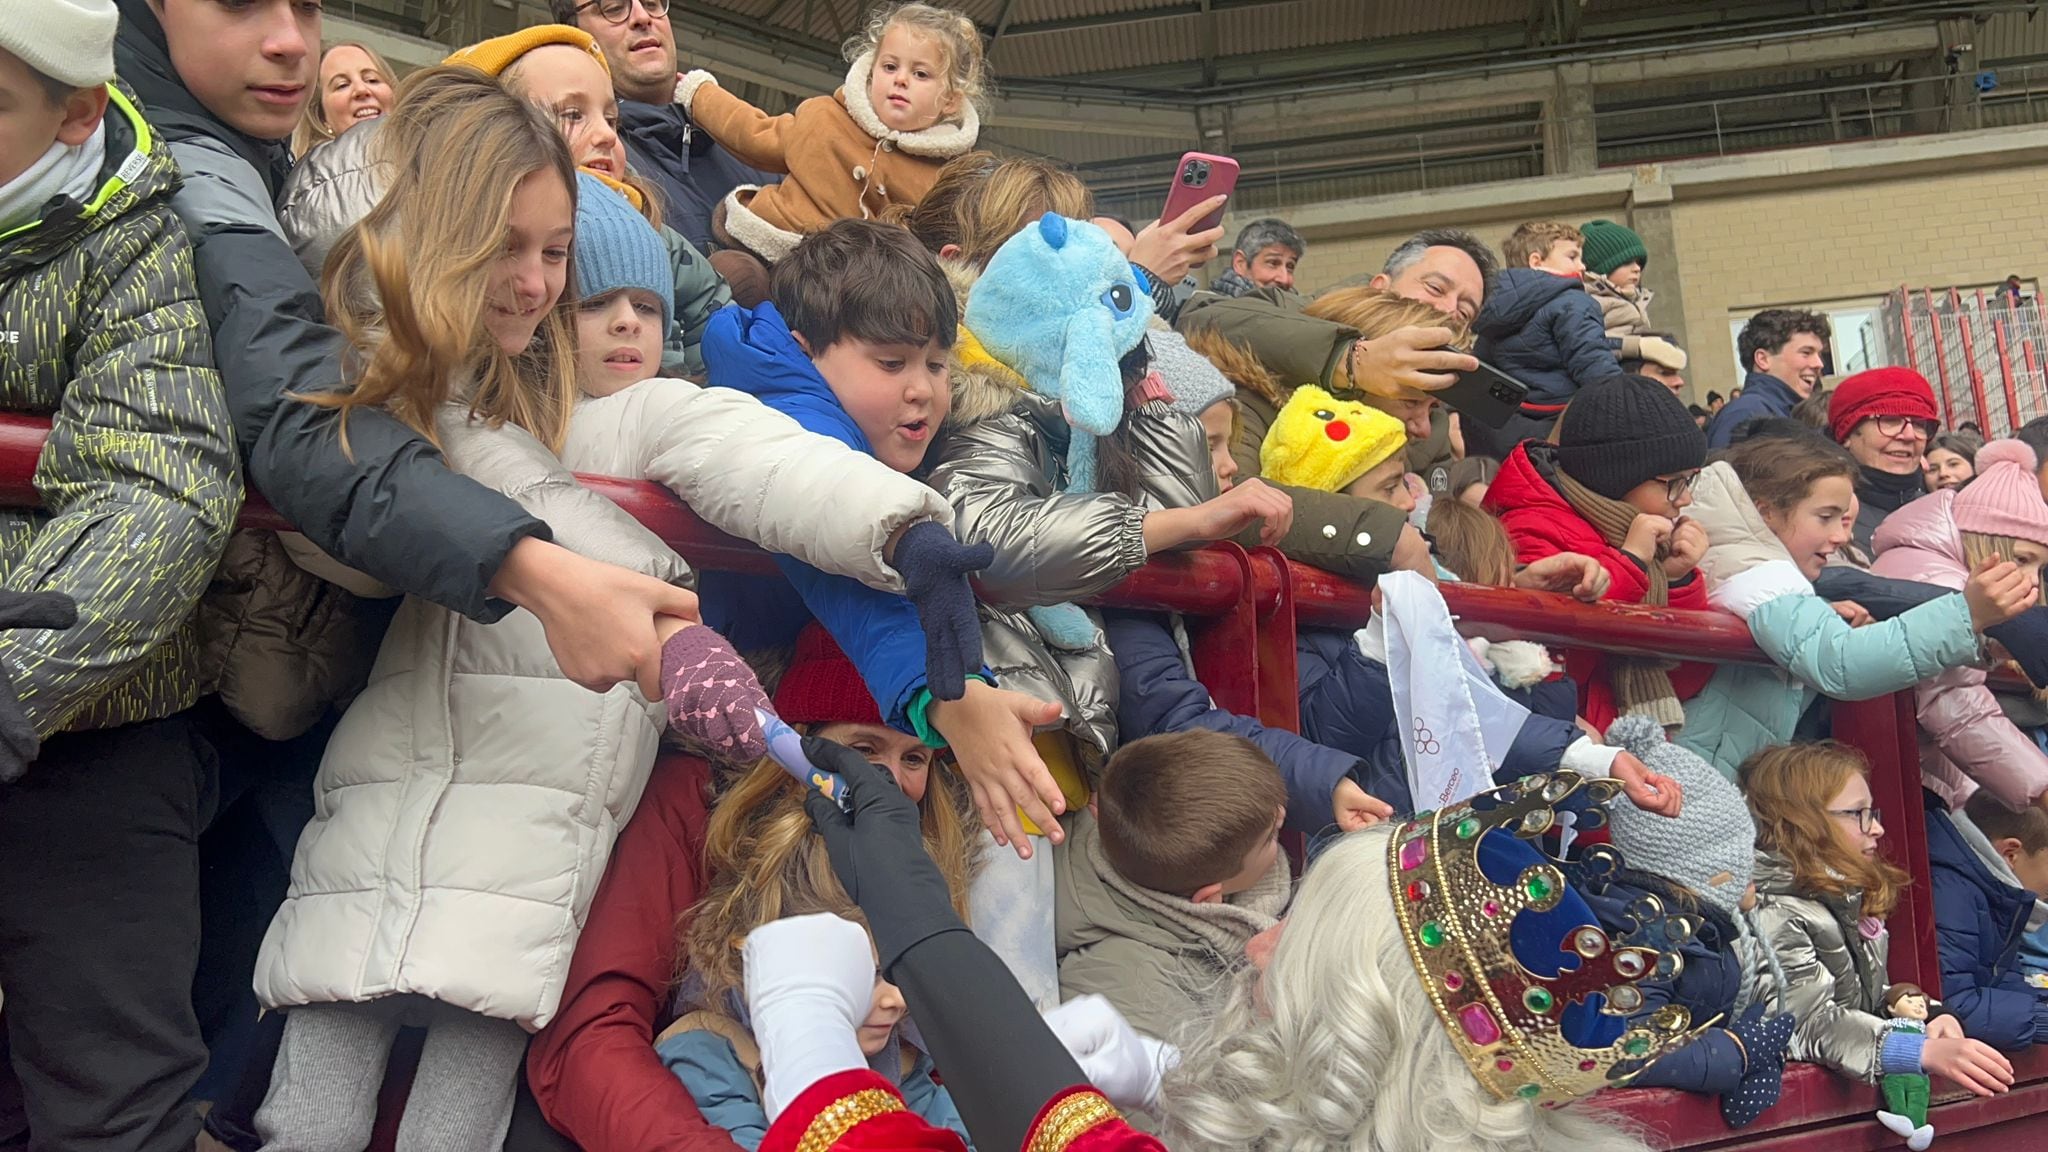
<point x="1324" y="443"/>
<point x="495" y="55"/>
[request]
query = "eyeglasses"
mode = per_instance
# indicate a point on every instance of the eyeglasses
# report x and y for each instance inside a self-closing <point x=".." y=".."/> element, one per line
<point x="1675" y="487"/>
<point x="1866" y="818"/>
<point x="1897" y="425"/>
<point x="619" y="11"/>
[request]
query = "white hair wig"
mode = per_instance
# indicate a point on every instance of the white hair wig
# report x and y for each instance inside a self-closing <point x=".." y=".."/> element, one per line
<point x="1348" y="1054"/>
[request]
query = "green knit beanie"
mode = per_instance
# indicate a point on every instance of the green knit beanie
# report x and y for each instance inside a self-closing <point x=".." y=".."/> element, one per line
<point x="1609" y="245"/>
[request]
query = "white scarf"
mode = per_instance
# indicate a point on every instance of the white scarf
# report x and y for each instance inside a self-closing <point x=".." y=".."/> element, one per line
<point x="65" y="170"/>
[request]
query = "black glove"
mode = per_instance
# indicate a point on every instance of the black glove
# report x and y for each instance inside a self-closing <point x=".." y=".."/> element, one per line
<point x="19" y="744"/>
<point x="1764" y="1039"/>
<point x="877" y="851"/>
<point x="877" y="848"/>
<point x="935" y="568"/>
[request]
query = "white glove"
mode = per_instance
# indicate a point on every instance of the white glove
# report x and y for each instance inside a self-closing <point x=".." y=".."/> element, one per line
<point x="687" y="85"/>
<point x="1660" y="351"/>
<point x="1121" y="1064"/>
<point x="810" y="983"/>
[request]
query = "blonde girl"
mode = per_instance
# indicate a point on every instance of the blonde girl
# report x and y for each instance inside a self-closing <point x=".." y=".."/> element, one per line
<point x="907" y="107"/>
<point x="1823" y="892"/>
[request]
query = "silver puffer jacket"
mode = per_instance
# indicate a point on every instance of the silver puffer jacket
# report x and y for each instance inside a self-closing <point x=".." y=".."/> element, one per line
<point x="1834" y="981"/>
<point x="1000" y="461"/>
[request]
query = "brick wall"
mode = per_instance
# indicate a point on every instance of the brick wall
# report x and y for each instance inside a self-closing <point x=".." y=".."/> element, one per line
<point x="1741" y="253"/>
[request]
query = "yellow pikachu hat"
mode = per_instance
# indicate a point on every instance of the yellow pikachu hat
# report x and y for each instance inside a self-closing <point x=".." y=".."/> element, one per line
<point x="1324" y="443"/>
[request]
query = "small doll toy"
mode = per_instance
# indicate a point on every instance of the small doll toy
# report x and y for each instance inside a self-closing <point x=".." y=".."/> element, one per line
<point x="1906" y="1094"/>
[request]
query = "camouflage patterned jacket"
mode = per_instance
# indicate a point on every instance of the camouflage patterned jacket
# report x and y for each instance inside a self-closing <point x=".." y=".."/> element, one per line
<point x="101" y="330"/>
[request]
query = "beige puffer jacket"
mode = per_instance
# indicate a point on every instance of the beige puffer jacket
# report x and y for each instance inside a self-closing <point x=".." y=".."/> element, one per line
<point x="1625" y="314"/>
<point x="1835" y="976"/>
<point x="1000" y="461"/>
<point x="467" y="803"/>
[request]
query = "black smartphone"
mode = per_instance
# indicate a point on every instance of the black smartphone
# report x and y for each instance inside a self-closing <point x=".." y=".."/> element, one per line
<point x="1488" y="395"/>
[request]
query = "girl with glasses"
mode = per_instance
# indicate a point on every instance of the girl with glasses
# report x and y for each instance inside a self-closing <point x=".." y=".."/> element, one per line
<point x="1774" y="510"/>
<point x="1822" y="892"/>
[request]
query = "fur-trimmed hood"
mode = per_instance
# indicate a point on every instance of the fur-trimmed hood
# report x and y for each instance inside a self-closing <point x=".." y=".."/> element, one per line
<point x="982" y="388"/>
<point x="941" y="141"/>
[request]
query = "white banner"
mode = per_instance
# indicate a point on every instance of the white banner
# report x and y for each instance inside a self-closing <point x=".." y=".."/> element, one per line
<point x="1456" y="724"/>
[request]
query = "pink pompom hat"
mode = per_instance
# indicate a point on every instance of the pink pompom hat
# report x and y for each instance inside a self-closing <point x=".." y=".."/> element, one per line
<point x="2005" y="498"/>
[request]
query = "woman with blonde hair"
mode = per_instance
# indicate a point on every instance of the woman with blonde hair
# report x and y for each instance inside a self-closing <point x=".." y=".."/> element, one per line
<point x="354" y="85"/>
<point x="1822" y="895"/>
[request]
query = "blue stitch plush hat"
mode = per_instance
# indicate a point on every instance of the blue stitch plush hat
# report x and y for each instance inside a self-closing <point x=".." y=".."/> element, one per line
<point x="1059" y="305"/>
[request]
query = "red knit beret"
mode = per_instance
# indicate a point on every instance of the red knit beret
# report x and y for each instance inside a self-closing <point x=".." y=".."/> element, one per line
<point x="1879" y="392"/>
<point x="822" y="686"/>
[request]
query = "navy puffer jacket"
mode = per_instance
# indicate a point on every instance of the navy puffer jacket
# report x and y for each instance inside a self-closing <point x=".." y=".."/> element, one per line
<point x="1979" y="920"/>
<point x="1544" y="330"/>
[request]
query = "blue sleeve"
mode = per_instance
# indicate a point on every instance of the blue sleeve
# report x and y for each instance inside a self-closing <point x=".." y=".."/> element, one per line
<point x="878" y="631"/>
<point x="1803" y="635"/>
<point x="931" y="1101"/>
<point x="1581" y="336"/>
<point x="1900" y="1055"/>
<point x="724" y="1093"/>
<point x="1881" y="596"/>
<point x="2002" y="1014"/>
<point x="1156" y="695"/>
<point x="1711" y="1065"/>
<point x="1537" y="748"/>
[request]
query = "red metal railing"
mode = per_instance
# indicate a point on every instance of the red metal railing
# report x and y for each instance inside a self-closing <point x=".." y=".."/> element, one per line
<point x="1243" y="609"/>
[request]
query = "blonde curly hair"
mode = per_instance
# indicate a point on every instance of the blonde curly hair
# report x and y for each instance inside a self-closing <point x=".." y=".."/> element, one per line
<point x="955" y="33"/>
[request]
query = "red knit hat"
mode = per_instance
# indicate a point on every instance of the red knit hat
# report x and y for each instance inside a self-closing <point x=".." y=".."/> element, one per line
<point x="1879" y="392"/>
<point x="822" y="686"/>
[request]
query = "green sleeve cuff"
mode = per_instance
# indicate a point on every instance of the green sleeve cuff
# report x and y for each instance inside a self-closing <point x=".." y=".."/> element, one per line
<point x="922" y="701"/>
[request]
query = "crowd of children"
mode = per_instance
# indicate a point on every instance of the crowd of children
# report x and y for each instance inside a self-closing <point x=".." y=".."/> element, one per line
<point x="906" y="363"/>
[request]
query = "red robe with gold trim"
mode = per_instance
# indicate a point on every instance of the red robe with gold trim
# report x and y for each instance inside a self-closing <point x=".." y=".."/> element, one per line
<point x="859" y="1111"/>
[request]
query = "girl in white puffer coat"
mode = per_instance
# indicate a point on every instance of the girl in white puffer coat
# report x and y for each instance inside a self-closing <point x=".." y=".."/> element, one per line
<point x="466" y="806"/>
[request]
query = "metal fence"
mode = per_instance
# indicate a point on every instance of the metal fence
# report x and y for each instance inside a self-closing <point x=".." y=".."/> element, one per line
<point x="1986" y="354"/>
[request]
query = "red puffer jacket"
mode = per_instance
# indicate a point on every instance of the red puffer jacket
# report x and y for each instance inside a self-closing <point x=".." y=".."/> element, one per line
<point x="1541" y="524"/>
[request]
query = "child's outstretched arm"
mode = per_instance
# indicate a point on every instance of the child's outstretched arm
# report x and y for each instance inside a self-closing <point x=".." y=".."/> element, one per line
<point x="754" y="136"/>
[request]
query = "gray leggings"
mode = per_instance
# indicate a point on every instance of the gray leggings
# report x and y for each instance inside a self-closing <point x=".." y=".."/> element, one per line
<point x="323" y="1089"/>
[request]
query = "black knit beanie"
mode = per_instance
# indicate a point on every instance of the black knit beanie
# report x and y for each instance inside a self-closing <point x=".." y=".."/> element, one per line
<point x="1618" y="432"/>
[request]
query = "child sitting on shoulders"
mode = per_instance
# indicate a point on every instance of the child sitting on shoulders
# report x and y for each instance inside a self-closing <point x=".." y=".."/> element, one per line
<point x="907" y="107"/>
<point x="1539" y="326"/>
<point x="1177" y="867"/>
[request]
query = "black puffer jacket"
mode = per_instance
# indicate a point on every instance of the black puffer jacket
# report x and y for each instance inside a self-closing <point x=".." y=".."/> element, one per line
<point x="392" y="509"/>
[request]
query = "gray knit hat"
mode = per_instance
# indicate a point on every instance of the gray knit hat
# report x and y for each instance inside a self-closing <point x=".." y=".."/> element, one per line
<point x="70" y="41"/>
<point x="1711" y="846"/>
<point x="1196" y="384"/>
<point x="617" y="248"/>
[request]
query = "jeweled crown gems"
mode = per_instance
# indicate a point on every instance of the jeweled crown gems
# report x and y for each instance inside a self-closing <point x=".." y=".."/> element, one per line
<point x="1532" y="991"/>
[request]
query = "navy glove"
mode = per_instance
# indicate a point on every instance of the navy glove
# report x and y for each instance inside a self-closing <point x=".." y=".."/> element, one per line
<point x="1763" y="1039"/>
<point x="876" y="844"/>
<point x="19" y="744"/>
<point x="935" y="568"/>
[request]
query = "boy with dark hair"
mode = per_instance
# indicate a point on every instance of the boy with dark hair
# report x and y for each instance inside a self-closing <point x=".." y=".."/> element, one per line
<point x="853" y="345"/>
<point x="1783" y="352"/>
<point x="1541" y="327"/>
<point x="1175" y="870"/>
<point x="1989" y="864"/>
<point x="101" y="329"/>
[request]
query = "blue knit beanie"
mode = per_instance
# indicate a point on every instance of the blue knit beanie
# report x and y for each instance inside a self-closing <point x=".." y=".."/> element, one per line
<point x="617" y="248"/>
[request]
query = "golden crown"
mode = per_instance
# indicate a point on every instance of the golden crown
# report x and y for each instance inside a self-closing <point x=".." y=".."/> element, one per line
<point x="1506" y="1020"/>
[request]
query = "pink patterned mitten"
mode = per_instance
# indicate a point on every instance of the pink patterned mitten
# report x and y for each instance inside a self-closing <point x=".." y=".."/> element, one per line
<point x="712" y="694"/>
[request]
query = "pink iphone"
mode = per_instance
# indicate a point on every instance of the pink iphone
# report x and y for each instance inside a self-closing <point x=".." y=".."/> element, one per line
<point x="1198" y="177"/>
